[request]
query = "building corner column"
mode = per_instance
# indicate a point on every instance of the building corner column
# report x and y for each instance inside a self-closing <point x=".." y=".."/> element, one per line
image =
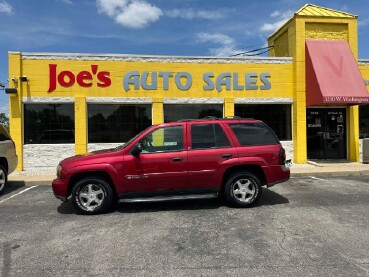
<point x="228" y="107"/>
<point x="353" y="134"/>
<point x="157" y="111"/>
<point x="80" y="111"/>
<point x="16" y="105"/>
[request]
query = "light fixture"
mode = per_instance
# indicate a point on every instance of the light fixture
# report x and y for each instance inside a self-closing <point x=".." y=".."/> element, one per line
<point x="15" y="80"/>
<point x="11" y="90"/>
<point x="23" y="79"/>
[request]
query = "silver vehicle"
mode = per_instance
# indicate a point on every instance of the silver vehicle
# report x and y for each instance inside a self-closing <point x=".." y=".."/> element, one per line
<point x="8" y="157"/>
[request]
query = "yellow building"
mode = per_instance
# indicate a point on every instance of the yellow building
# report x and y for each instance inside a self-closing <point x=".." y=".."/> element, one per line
<point x="308" y="90"/>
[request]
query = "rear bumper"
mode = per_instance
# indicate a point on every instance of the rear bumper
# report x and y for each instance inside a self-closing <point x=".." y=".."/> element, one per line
<point x="281" y="174"/>
<point x="277" y="182"/>
<point x="60" y="188"/>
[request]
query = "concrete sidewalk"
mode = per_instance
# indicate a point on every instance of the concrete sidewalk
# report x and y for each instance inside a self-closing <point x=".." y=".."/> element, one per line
<point x="316" y="169"/>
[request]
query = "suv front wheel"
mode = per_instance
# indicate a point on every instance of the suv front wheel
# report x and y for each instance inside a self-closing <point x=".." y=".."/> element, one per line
<point x="92" y="195"/>
<point x="3" y="178"/>
<point x="242" y="189"/>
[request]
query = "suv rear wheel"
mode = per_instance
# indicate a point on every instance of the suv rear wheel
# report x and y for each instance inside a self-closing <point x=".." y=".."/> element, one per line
<point x="242" y="189"/>
<point x="92" y="195"/>
<point x="3" y="178"/>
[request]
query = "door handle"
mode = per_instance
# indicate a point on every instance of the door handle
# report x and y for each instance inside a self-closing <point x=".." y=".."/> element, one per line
<point x="226" y="155"/>
<point x="177" y="159"/>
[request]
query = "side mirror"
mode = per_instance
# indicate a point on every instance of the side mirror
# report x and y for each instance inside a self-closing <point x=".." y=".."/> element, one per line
<point x="137" y="149"/>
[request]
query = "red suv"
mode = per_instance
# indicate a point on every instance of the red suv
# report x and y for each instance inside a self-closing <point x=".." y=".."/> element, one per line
<point x="189" y="159"/>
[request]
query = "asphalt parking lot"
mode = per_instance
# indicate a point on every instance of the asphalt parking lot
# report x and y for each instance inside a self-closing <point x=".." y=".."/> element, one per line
<point x="304" y="227"/>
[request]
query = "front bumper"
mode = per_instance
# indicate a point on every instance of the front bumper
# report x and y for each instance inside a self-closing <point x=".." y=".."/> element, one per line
<point x="60" y="188"/>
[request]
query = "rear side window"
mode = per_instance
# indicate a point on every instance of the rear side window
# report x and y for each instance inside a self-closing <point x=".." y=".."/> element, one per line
<point x="252" y="134"/>
<point x="208" y="136"/>
<point x="4" y="134"/>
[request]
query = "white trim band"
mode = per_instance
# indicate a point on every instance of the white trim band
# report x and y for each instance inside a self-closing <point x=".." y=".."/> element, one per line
<point x="117" y="100"/>
<point x="363" y="62"/>
<point x="280" y="100"/>
<point x="193" y="100"/>
<point x="48" y="100"/>
<point x="147" y="58"/>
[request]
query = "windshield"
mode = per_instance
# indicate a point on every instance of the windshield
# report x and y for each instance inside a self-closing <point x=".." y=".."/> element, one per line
<point x="129" y="142"/>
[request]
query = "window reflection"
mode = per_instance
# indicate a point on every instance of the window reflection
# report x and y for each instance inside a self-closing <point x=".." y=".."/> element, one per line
<point x="110" y="123"/>
<point x="175" y="112"/>
<point x="276" y="116"/>
<point x="48" y="123"/>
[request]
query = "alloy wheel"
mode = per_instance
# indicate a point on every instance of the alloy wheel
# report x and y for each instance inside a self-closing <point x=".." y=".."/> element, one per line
<point x="91" y="196"/>
<point x="2" y="179"/>
<point x="244" y="190"/>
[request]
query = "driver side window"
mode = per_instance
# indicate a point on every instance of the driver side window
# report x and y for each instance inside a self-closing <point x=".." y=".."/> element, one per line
<point x="164" y="139"/>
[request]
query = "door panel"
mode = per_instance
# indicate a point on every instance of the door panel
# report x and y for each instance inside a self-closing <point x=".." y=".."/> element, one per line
<point x="210" y="150"/>
<point x="326" y="133"/>
<point x="162" y="164"/>
<point x="156" y="171"/>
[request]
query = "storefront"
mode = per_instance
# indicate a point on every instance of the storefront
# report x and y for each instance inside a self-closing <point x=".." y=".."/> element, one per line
<point x="66" y="104"/>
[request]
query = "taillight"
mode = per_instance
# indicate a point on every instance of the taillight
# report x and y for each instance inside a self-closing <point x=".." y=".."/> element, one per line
<point x="13" y="144"/>
<point x="282" y="156"/>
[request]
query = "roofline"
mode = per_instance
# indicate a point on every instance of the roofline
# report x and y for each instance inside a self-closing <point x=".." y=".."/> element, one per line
<point x="363" y="61"/>
<point x="106" y="56"/>
<point x="297" y="15"/>
<point x="316" y="6"/>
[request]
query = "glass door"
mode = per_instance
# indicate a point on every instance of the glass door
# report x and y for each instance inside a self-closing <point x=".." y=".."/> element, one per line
<point x="326" y="133"/>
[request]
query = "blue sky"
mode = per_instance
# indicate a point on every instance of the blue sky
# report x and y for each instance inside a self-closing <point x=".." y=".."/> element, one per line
<point x="151" y="27"/>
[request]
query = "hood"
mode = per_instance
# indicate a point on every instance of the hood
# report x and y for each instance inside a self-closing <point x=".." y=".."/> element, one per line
<point x="91" y="157"/>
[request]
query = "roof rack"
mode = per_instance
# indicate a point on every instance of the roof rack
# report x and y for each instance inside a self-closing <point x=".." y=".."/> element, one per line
<point x="215" y="118"/>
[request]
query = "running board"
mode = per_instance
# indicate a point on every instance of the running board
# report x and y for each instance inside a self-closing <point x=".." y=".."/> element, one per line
<point x="168" y="198"/>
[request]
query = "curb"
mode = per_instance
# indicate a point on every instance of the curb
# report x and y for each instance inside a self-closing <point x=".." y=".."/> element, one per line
<point x="21" y="183"/>
<point x="28" y="183"/>
<point x="331" y="173"/>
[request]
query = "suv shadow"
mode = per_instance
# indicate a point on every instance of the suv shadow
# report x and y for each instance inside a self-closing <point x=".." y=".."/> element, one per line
<point x="11" y="187"/>
<point x="269" y="198"/>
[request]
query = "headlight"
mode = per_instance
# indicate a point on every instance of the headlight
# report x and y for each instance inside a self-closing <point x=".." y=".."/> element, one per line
<point x="58" y="170"/>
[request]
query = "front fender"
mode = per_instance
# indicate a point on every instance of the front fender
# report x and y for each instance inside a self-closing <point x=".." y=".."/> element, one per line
<point x="101" y="167"/>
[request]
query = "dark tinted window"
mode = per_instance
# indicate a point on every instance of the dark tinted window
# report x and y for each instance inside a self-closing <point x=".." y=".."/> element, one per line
<point x="163" y="140"/>
<point x="208" y="136"/>
<point x="364" y="121"/>
<point x="251" y="134"/>
<point x="3" y="134"/>
<point x="115" y="122"/>
<point x="48" y="123"/>
<point x="277" y="116"/>
<point x="175" y="112"/>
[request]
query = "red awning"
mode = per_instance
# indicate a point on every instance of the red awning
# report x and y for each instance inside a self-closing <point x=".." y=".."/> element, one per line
<point x="332" y="74"/>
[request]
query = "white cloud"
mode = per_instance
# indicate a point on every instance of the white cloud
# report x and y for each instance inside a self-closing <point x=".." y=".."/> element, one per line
<point x="69" y="2"/>
<point x="226" y="44"/>
<point x="193" y="14"/>
<point x="4" y="109"/>
<point x="282" y="17"/>
<point x="364" y="22"/>
<point x="130" y="13"/>
<point x="344" y="8"/>
<point x="275" y="14"/>
<point x="5" y="8"/>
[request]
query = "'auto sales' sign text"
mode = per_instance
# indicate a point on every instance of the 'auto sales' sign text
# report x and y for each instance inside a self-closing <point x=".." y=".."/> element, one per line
<point x="135" y="80"/>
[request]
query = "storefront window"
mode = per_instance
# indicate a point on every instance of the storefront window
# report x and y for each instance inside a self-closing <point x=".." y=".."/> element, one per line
<point x="48" y="123"/>
<point x="277" y="116"/>
<point x="110" y="123"/>
<point x="364" y="121"/>
<point x="175" y="112"/>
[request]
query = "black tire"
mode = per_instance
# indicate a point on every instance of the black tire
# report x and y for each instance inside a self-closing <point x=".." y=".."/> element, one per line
<point x="3" y="179"/>
<point x="242" y="189"/>
<point x="92" y="195"/>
